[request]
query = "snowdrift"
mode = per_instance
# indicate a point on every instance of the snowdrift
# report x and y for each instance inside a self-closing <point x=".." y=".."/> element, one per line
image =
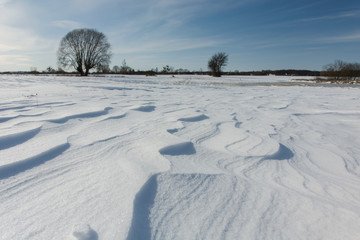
<point x="184" y="157"/>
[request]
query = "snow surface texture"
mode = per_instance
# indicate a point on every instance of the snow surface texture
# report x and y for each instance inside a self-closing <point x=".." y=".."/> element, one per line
<point x="184" y="157"/>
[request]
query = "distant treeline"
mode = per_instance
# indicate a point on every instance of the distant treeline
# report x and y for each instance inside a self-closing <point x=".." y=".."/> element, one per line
<point x="337" y="71"/>
<point x="290" y="72"/>
<point x="340" y="70"/>
<point x="284" y="72"/>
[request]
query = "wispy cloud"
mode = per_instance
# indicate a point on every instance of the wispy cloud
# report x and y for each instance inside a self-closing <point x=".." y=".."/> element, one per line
<point x="161" y="26"/>
<point x="67" y="24"/>
<point x="3" y="2"/>
<point x="305" y="42"/>
<point x="13" y="13"/>
<point x="165" y="27"/>
<point x="167" y="45"/>
<point x="22" y="39"/>
<point x="19" y="60"/>
<point x="342" y="15"/>
<point x="87" y="5"/>
<point x="353" y="37"/>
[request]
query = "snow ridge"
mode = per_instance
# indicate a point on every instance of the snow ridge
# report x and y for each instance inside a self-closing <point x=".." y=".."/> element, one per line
<point x="17" y="138"/>
<point x="26" y="164"/>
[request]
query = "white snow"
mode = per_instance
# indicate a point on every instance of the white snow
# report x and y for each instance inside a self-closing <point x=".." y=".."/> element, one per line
<point x="183" y="157"/>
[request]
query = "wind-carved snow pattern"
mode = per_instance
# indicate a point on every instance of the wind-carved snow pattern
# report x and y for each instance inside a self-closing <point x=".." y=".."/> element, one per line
<point x="82" y="115"/>
<point x="17" y="138"/>
<point x="183" y="157"/>
<point x="174" y="202"/>
<point x="12" y="169"/>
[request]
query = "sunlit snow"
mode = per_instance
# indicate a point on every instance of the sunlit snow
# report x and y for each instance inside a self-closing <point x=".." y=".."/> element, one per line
<point x="178" y="157"/>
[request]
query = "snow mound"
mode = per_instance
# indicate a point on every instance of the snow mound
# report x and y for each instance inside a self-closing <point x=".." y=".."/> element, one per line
<point x="84" y="232"/>
<point x="194" y="118"/>
<point x="181" y="206"/>
<point x="144" y="201"/>
<point x="185" y="148"/>
<point x="145" y="108"/>
<point x="282" y="154"/>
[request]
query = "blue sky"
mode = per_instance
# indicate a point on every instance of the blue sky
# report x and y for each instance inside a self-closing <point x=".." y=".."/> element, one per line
<point x="257" y="34"/>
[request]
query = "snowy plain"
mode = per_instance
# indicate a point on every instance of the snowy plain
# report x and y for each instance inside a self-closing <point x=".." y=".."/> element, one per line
<point x="183" y="157"/>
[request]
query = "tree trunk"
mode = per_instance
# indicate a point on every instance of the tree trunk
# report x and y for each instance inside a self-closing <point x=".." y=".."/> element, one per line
<point x="80" y="70"/>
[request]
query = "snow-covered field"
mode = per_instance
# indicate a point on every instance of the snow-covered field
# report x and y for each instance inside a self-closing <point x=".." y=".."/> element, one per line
<point x="184" y="157"/>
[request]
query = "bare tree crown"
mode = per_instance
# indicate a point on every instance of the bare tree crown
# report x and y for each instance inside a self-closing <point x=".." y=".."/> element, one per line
<point x="217" y="62"/>
<point x="84" y="49"/>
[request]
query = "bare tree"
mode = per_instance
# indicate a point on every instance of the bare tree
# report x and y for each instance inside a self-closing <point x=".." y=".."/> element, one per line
<point x="116" y="69"/>
<point x="338" y="65"/>
<point x="168" y="69"/>
<point x="50" y="70"/>
<point x="217" y="62"/>
<point x="125" y="68"/>
<point x="33" y="70"/>
<point x="84" y="49"/>
<point x="342" y="70"/>
<point x="103" y="68"/>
